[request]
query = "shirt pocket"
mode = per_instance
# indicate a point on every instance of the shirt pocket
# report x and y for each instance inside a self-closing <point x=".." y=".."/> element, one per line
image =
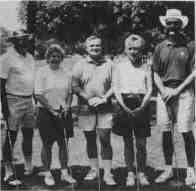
<point x="17" y="69"/>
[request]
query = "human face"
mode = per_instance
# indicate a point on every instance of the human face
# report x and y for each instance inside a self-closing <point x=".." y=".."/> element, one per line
<point x="54" y="60"/>
<point x="173" y="26"/>
<point x="94" y="48"/>
<point x="133" y="50"/>
<point x="20" y="45"/>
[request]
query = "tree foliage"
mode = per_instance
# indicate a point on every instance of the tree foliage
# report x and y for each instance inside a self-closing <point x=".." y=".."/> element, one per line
<point x="4" y="34"/>
<point x="72" y="21"/>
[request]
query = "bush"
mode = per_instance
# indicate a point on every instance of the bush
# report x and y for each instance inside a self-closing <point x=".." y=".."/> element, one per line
<point x="72" y="21"/>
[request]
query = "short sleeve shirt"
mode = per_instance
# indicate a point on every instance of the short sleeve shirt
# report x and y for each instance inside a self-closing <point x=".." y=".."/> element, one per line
<point x="94" y="79"/>
<point x="19" y="72"/>
<point x="172" y="62"/>
<point x="54" y="85"/>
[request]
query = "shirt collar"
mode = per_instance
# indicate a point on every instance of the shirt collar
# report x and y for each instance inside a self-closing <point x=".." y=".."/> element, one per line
<point x="129" y="61"/>
<point x="180" y="41"/>
<point x="15" y="53"/>
<point x="99" y="62"/>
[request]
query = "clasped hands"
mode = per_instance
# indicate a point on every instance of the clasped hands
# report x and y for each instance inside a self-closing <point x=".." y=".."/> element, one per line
<point x="63" y="113"/>
<point x="96" y="101"/>
<point x="134" y="112"/>
<point x="168" y="94"/>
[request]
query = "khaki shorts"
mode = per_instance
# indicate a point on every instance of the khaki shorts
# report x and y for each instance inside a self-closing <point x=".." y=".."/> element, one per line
<point x="21" y="112"/>
<point x="184" y="112"/>
<point x="88" y="122"/>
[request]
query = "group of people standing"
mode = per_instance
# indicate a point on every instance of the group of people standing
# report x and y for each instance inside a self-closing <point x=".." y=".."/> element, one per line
<point x="95" y="79"/>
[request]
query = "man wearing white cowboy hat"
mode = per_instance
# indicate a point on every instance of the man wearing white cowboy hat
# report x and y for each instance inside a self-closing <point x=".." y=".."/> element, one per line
<point x="172" y="65"/>
<point x="173" y="15"/>
<point x="17" y="68"/>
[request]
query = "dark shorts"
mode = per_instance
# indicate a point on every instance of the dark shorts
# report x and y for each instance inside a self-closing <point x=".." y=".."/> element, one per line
<point x="124" y="125"/>
<point x="52" y="128"/>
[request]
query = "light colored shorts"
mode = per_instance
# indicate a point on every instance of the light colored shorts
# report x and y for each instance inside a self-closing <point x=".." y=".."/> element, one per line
<point x="183" y="112"/>
<point x="88" y="122"/>
<point x="21" y="112"/>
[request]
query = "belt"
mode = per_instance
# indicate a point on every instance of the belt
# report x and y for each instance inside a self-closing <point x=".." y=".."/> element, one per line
<point x="172" y="83"/>
<point x="22" y="96"/>
<point x="130" y="95"/>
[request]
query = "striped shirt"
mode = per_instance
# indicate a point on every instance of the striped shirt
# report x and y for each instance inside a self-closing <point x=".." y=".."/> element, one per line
<point x="93" y="78"/>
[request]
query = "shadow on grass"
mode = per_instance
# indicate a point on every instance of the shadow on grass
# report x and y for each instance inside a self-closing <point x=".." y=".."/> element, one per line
<point x="35" y="182"/>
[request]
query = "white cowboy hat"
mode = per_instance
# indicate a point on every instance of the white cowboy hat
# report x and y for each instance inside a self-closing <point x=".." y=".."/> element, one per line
<point x="174" y="13"/>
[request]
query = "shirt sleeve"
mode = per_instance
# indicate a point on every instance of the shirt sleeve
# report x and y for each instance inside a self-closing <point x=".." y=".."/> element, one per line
<point x="4" y="66"/>
<point x="156" y="60"/>
<point x="39" y="81"/>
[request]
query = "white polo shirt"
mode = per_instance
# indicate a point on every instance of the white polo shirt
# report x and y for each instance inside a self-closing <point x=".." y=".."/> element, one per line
<point x="54" y="85"/>
<point x="19" y="71"/>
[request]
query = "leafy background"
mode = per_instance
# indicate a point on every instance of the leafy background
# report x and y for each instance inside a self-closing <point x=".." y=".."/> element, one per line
<point x="71" y="22"/>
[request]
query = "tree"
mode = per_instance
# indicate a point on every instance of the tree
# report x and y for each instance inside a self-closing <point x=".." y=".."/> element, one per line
<point x="4" y="34"/>
<point x="72" y="21"/>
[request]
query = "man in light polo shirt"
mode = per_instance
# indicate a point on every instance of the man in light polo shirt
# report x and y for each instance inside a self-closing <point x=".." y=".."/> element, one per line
<point x="92" y="84"/>
<point x="17" y="82"/>
<point x="172" y="64"/>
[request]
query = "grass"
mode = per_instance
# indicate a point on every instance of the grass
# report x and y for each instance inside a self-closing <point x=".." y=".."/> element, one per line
<point x="80" y="165"/>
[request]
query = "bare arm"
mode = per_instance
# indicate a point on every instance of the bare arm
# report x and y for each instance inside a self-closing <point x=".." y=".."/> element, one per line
<point x="158" y="83"/>
<point x="4" y="102"/>
<point x="156" y="65"/>
<point x="186" y="82"/>
<point x="149" y="89"/>
<point x="119" y="99"/>
<point x="79" y="91"/>
<point x="108" y="94"/>
<point x="116" y="87"/>
<point x="69" y="98"/>
<point x="45" y="103"/>
<point x="76" y="84"/>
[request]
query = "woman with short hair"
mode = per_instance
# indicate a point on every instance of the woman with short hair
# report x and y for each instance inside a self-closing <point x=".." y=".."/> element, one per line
<point x="53" y="92"/>
<point x="132" y="86"/>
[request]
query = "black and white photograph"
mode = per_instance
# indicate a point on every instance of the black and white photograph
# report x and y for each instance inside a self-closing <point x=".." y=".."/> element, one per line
<point x="97" y="95"/>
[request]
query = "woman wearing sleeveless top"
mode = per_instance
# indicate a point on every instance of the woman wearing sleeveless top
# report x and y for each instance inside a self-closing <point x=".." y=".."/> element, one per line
<point x="132" y="85"/>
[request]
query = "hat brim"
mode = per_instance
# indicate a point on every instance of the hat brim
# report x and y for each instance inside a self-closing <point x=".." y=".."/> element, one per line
<point x="184" y="20"/>
<point x="18" y="37"/>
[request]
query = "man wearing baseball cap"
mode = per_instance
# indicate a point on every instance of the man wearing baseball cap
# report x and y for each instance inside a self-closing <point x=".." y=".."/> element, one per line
<point x="172" y="65"/>
<point x="17" y="68"/>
